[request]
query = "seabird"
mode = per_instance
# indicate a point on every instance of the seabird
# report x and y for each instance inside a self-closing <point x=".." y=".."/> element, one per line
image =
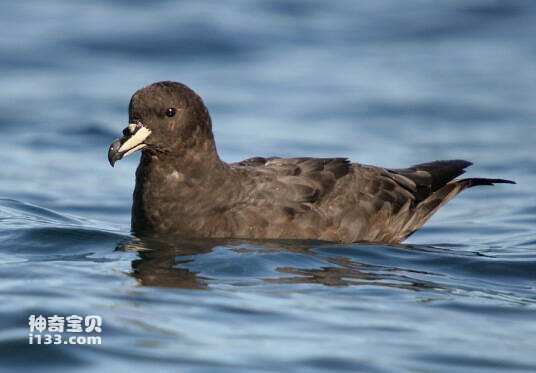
<point x="183" y="188"/>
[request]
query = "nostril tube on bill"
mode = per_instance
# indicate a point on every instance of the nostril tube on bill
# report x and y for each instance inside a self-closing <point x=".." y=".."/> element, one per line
<point x="130" y="130"/>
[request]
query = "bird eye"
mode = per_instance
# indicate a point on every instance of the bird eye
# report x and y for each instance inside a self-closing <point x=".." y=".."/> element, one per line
<point x="171" y="112"/>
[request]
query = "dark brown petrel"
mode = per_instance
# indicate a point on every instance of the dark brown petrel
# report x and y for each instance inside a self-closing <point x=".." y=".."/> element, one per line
<point x="183" y="188"/>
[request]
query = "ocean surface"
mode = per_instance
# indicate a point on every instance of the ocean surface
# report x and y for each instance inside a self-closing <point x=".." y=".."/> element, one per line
<point x="383" y="82"/>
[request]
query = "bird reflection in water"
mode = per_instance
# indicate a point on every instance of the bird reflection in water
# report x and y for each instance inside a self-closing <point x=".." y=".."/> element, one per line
<point x="167" y="263"/>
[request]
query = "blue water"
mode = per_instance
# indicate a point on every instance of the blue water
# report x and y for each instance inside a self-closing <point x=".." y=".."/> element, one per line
<point x="383" y="82"/>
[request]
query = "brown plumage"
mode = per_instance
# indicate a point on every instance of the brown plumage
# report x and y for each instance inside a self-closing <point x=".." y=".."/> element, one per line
<point x="183" y="188"/>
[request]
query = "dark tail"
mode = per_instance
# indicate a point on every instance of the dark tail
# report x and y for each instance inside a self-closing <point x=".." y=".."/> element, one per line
<point x="475" y="181"/>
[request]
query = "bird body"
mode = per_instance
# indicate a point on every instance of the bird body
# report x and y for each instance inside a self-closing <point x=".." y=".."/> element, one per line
<point x="183" y="187"/>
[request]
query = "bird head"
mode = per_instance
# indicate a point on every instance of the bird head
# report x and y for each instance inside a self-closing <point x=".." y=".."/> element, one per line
<point x="164" y="117"/>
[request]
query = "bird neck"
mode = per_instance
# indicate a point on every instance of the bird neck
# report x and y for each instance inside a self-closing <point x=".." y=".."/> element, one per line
<point x="170" y="187"/>
<point x="196" y="163"/>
